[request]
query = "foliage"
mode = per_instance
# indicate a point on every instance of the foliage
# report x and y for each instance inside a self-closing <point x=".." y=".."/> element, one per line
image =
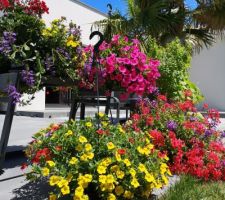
<point x="175" y="62"/>
<point x="123" y="67"/>
<point x="38" y="51"/>
<point x="166" y="20"/>
<point x="191" y="188"/>
<point x="190" y="140"/>
<point x="82" y="161"/>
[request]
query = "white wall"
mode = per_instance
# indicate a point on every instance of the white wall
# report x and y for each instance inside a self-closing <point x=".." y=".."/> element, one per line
<point x="77" y="12"/>
<point x="208" y="72"/>
<point x="80" y="14"/>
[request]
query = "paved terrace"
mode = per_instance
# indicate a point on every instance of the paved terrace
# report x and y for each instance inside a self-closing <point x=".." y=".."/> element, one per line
<point x="18" y="188"/>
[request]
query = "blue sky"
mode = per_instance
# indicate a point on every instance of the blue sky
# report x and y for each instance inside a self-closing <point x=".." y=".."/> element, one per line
<point x="118" y="4"/>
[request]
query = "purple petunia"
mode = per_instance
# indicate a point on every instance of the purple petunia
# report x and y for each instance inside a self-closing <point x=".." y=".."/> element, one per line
<point x="28" y="77"/>
<point x="12" y="92"/>
<point x="7" y="41"/>
<point x="171" y="125"/>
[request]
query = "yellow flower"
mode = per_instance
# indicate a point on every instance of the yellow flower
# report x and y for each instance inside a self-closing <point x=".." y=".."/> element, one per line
<point x="150" y="146"/>
<point x="163" y="168"/>
<point x="71" y="43"/>
<point x="79" y="191"/>
<point x="82" y="139"/>
<point x="111" y="197"/>
<point x="62" y="183"/>
<point x="110" y="187"/>
<point x="88" y="147"/>
<point x="128" y="195"/>
<point x="132" y="172"/>
<point x="121" y="130"/>
<point x="79" y="147"/>
<point x="65" y="189"/>
<point x="102" y="179"/>
<point x="54" y="180"/>
<point x="110" y="178"/>
<point x="84" y="157"/>
<point x="104" y="124"/>
<point x="69" y="133"/>
<point x="45" y="171"/>
<point x="140" y="150"/>
<point x="119" y="190"/>
<point x="88" y="124"/>
<point x="90" y="155"/>
<point x="142" y="168"/>
<point x="100" y="114"/>
<point x="120" y="174"/>
<point x="127" y="162"/>
<point x="114" y="168"/>
<point x="101" y="169"/>
<point x="169" y="172"/>
<point x="88" y="178"/>
<point x="118" y="157"/>
<point x="149" y="177"/>
<point x="135" y="183"/>
<point x="110" y="145"/>
<point x="106" y="162"/>
<point x="52" y="197"/>
<point x="73" y="161"/>
<point x="51" y="163"/>
<point x="165" y="179"/>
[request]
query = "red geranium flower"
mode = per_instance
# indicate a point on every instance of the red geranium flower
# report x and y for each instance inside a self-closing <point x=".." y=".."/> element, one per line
<point x="121" y="151"/>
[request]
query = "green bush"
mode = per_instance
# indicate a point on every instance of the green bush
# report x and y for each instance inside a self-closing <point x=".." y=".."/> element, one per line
<point x="175" y="61"/>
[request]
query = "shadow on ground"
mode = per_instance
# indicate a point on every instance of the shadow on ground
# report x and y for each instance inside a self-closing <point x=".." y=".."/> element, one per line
<point x="32" y="191"/>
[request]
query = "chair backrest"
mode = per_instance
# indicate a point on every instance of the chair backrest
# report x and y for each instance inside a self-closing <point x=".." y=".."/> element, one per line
<point x="7" y="79"/>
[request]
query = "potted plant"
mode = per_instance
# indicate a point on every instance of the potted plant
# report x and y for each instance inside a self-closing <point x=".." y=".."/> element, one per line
<point x="37" y="51"/>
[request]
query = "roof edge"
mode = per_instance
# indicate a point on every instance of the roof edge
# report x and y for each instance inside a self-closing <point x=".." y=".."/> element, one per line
<point x="89" y="7"/>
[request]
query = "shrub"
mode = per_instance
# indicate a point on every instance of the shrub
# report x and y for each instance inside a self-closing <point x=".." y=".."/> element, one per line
<point x="83" y="161"/>
<point x="190" y="140"/>
<point x="175" y="61"/>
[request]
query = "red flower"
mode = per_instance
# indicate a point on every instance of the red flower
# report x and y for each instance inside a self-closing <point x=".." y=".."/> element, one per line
<point x="58" y="148"/>
<point x="149" y="121"/>
<point x="161" y="98"/>
<point x="23" y="166"/>
<point x="55" y="127"/>
<point x="100" y="132"/>
<point x="158" y="138"/>
<point x="121" y="151"/>
<point x="4" y="4"/>
<point x="43" y="153"/>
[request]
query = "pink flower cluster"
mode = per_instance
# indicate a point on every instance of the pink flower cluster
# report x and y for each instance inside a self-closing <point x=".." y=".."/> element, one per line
<point x="124" y="67"/>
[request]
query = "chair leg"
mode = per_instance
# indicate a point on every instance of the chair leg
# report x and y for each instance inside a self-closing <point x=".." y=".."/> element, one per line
<point x="73" y="109"/>
<point x="107" y="107"/>
<point x="6" y="131"/>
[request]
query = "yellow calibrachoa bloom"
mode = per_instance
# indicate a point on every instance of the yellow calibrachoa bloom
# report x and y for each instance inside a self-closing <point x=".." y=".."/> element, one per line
<point x="73" y="161"/>
<point x="79" y="191"/>
<point x="140" y="150"/>
<point x="69" y="133"/>
<point x="54" y="180"/>
<point x="100" y="114"/>
<point x="90" y="155"/>
<point x="110" y="146"/>
<point x="82" y="139"/>
<point x="127" y="162"/>
<point x="149" y="177"/>
<point x="88" y="147"/>
<point x="135" y="183"/>
<point x="102" y="179"/>
<point x="132" y="172"/>
<point x="88" y="124"/>
<point x="65" y="189"/>
<point x="45" y="171"/>
<point x="121" y="130"/>
<point x="118" y="157"/>
<point x="71" y="43"/>
<point x="142" y="168"/>
<point x="79" y="147"/>
<point x="119" y="190"/>
<point x="111" y="197"/>
<point x="110" y="178"/>
<point x="63" y="182"/>
<point x="84" y="157"/>
<point x="128" y="195"/>
<point x="120" y="174"/>
<point x="104" y="124"/>
<point x="52" y="197"/>
<point x="51" y="163"/>
<point x="101" y="169"/>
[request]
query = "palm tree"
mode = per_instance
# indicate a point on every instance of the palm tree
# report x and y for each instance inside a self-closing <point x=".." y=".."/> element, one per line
<point x="165" y="20"/>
